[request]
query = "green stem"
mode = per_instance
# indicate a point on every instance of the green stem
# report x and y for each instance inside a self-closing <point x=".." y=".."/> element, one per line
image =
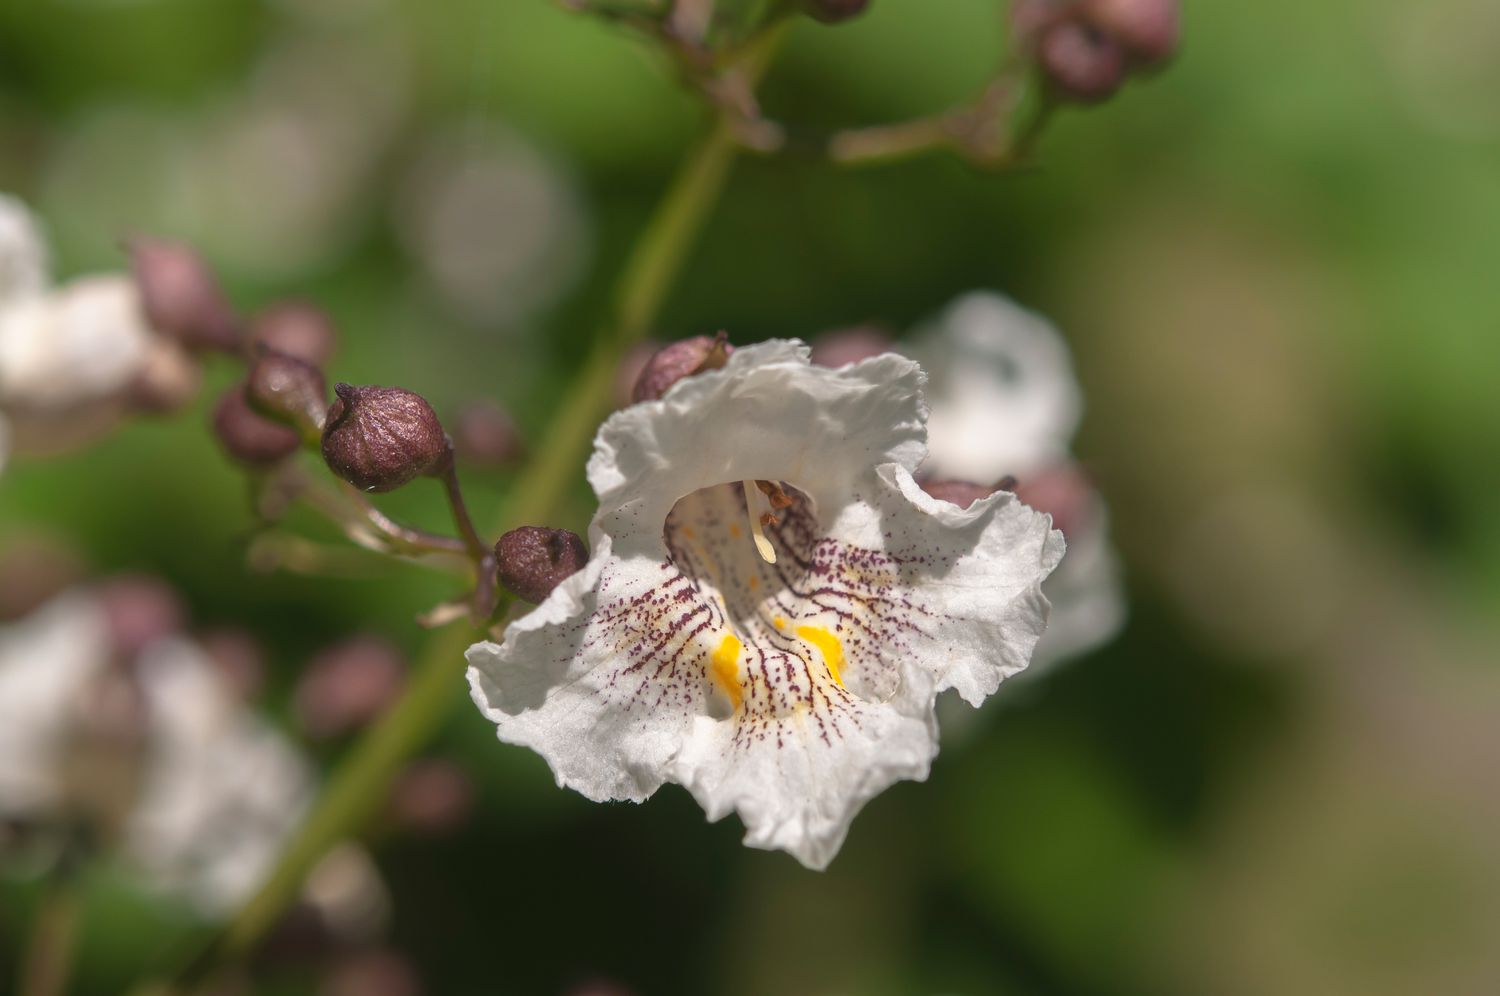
<point x="53" y="933"/>
<point x="358" y="786"/>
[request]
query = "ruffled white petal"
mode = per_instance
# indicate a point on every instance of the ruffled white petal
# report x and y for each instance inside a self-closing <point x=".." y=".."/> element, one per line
<point x="1002" y="390"/>
<point x="45" y="660"/>
<point x="789" y="684"/>
<point x="222" y="790"/>
<point x="23" y="252"/>
<point x="80" y="343"/>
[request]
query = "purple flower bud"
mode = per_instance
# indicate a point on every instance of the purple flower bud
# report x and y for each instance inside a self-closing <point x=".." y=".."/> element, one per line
<point x="372" y="972"/>
<point x="433" y="797"/>
<point x="239" y="659"/>
<point x="680" y="359"/>
<point x="379" y="438"/>
<point x="833" y="11"/>
<point x="298" y="329"/>
<point x="839" y="347"/>
<point x="1148" y="29"/>
<point x="249" y="436"/>
<point x="139" y="610"/>
<point x="347" y="686"/>
<point x="1062" y="491"/>
<point x="485" y="434"/>
<point x="534" y="559"/>
<point x="961" y="493"/>
<point x="1031" y="19"/>
<point x="181" y="297"/>
<point x="1081" y="63"/>
<point x="288" y="390"/>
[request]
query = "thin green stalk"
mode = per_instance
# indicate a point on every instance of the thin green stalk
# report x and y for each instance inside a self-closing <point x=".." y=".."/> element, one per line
<point x="358" y="786"/>
<point x="49" y="955"/>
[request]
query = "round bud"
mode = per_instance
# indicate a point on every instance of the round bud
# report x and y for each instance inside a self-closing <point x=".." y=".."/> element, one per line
<point x="534" y="559"/>
<point x="372" y="972"/>
<point x="298" y="329"/>
<point x="834" y="11"/>
<point x="240" y="661"/>
<point x="347" y="686"/>
<point x="1148" y="29"/>
<point x="285" y="389"/>
<point x="961" y="493"/>
<point x="680" y="359"/>
<point x="1062" y="491"/>
<point x="379" y="438"/>
<point x="139" y="611"/>
<point x="433" y="796"/>
<point x="181" y="297"/>
<point x="1030" y="20"/>
<point x="485" y="434"/>
<point x="839" y="347"/>
<point x="1081" y="63"/>
<point x="249" y="436"/>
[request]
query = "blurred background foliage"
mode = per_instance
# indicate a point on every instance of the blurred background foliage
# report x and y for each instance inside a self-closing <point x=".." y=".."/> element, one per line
<point x="1274" y="264"/>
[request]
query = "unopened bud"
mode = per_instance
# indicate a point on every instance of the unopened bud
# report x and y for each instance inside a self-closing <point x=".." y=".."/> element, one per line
<point x="1148" y="29"/>
<point x="238" y="657"/>
<point x="839" y="347"/>
<point x="298" y="329"/>
<point x="1081" y="63"/>
<point x="1062" y="491"/>
<point x="629" y="371"/>
<point x="833" y="11"/>
<point x="140" y="610"/>
<point x="485" y="434"/>
<point x="288" y="390"/>
<point x="181" y="297"/>
<point x="249" y="436"/>
<point x="347" y="686"/>
<point x="433" y="796"/>
<point x="373" y="972"/>
<point x="680" y="359"/>
<point x="961" y="493"/>
<point x="379" y="438"/>
<point x="1031" y="19"/>
<point x="534" y="559"/>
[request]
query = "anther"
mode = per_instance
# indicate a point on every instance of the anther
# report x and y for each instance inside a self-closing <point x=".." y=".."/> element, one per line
<point x="757" y="530"/>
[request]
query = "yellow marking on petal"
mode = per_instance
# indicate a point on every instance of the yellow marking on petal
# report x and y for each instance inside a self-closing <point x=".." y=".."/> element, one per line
<point x="725" y="663"/>
<point x="779" y="622"/>
<point x="752" y="507"/>
<point x="830" y="645"/>
<point x="734" y="530"/>
<point x="688" y="532"/>
<point x="754" y="581"/>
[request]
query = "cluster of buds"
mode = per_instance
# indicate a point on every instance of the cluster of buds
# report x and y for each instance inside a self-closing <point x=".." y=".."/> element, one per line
<point x="1086" y="49"/>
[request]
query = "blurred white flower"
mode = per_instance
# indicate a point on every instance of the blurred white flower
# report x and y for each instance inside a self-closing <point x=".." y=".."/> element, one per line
<point x="1005" y="402"/>
<point x="212" y="792"/>
<point x="496" y="226"/>
<point x="23" y="251"/>
<point x="772" y="603"/>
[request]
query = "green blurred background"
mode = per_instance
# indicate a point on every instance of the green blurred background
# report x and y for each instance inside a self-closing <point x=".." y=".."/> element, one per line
<point x="1275" y="265"/>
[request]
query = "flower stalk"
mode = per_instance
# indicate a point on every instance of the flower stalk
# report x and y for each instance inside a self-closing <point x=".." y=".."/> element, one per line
<point x="358" y="786"/>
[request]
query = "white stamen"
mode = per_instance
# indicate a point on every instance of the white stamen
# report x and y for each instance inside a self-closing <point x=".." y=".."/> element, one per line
<point x="752" y="506"/>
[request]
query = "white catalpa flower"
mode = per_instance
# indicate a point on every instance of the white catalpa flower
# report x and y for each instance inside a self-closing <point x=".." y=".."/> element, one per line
<point x="772" y="603"/>
<point x="1005" y="402"/>
<point x="67" y="347"/>
<point x="216" y="793"/>
<point x="23" y="252"/>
